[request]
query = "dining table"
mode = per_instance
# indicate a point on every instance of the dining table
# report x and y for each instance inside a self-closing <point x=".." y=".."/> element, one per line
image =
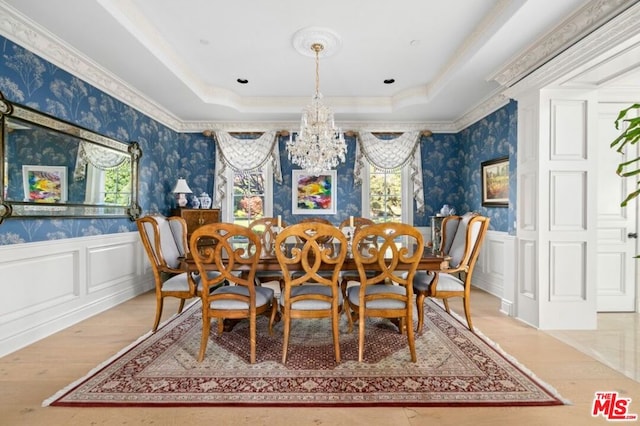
<point x="430" y="261"/>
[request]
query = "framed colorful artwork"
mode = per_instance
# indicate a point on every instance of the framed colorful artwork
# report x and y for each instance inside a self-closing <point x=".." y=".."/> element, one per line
<point x="44" y="184"/>
<point x="495" y="182"/>
<point x="314" y="194"/>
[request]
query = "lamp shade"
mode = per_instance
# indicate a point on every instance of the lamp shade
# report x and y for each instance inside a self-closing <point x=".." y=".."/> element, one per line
<point x="182" y="187"/>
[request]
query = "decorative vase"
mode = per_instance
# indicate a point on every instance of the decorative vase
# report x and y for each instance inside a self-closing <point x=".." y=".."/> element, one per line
<point x="195" y="202"/>
<point x="205" y="200"/>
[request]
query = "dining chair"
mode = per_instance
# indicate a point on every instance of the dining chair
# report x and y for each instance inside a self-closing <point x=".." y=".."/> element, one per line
<point x="388" y="293"/>
<point x="309" y="292"/>
<point x="350" y="277"/>
<point x="165" y="242"/>
<point x="267" y="229"/>
<point x="317" y="220"/>
<point x="462" y="239"/>
<point x="230" y="248"/>
<point x="358" y="222"/>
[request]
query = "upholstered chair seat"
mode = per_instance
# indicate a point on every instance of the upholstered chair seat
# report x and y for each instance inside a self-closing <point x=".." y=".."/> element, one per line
<point x="264" y="295"/>
<point x="353" y="295"/>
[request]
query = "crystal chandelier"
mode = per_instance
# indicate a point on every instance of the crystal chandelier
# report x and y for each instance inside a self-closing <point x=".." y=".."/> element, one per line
<point x="319" y="146"/>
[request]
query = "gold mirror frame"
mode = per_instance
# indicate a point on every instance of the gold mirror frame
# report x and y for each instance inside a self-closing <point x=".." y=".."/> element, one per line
<point x="60" y="207"/>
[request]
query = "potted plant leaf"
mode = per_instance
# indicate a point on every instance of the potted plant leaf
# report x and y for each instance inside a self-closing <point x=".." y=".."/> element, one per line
<point x="630" y="135"/>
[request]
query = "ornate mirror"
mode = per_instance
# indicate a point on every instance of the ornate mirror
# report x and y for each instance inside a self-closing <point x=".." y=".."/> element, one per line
<point x="51" y="168"/>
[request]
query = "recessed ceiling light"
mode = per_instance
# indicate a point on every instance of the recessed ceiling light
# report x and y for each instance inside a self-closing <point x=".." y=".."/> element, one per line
<point x="242" y="80"/>
<point x="389" y="81"/>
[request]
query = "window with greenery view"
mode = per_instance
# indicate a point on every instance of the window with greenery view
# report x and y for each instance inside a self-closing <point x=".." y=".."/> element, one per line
<point x="117" y="185"/>
<point x="111" y="186"/>
<point x="385" y="195"/>
<point x="248" y="196"/>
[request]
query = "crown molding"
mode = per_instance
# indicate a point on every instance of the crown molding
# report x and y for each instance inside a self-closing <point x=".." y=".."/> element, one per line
<point x="579" y="25"/>
<point x="622" y="29"/>
<point x="26" y="33"/>
<point x="347" y="126"/>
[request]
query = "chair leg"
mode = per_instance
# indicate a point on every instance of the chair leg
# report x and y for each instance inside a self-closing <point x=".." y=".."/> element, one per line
<point x="272" y="316"/>
<point x="349" y="313"/>
<point x="467" y="312"/>
<point x="420" y="296"/>
<point x="361" y="324"/>
<point x="252" y="338"/>
<point x="206" y="328"/>
<point x="336" y="333"/>
<point x="181" y="305"/>
<point x="159" y="307"/>
<point x="285" y="340"/>
<point x="446" y="305"/>
<point x="410" y="335"/>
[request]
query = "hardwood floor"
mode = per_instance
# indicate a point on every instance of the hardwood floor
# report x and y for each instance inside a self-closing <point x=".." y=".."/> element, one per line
<point x="30" y="375"/>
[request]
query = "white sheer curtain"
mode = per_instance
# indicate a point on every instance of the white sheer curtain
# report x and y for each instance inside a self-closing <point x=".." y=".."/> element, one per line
<point x="101" y="158"/>
<point x="244" y="155"/>
<point x="389" y="155"/>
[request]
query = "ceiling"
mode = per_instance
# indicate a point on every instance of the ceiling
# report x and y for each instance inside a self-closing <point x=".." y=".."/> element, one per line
<point x="180" y="61"/>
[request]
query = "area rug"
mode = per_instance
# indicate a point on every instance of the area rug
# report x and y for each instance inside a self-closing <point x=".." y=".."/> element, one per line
<point x="455" y="368"/>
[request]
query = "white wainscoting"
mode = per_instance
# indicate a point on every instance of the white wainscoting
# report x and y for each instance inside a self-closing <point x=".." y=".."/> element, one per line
<point x="496" y="267"/>
<point x="495" y="270"/>
<point x="51" y="285"/>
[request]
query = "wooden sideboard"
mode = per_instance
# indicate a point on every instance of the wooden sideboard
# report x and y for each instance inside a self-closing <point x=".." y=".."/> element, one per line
<point x="195" y="218"/>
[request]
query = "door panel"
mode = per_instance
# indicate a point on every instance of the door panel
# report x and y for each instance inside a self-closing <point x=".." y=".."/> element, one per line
<point x="616" y="250"/>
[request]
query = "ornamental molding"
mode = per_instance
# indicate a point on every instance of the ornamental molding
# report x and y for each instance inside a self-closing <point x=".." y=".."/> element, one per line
<point x="24" y="32"/>
<point x="531" y="64"/>
<point x="622" y="30"/>
<point x="293" y="126"/>
<point x="481" y="111"/>
<point x="577" y="26"/>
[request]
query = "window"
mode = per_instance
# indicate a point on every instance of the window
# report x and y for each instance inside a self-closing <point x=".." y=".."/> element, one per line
<point x="386" y="196"/>
<point x="111" y="186"/>
<point x="249" y="196"/>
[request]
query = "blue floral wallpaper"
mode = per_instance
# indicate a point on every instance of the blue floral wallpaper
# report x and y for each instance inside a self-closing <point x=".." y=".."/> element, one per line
<point x="29" y="80"/>
<point x="451" y="162"/>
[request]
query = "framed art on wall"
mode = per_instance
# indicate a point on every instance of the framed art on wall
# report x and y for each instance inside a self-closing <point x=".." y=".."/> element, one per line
<point x="314" y="194"/>
<point x="495" y="182"/>
<point x="44" y="184"/>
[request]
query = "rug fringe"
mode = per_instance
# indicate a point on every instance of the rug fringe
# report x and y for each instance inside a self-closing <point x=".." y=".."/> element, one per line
<point x="121" y="352"/>
<point x="552" y="390"/>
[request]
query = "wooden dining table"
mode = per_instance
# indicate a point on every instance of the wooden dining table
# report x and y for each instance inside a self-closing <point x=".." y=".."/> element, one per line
<point x="430" y="261"/>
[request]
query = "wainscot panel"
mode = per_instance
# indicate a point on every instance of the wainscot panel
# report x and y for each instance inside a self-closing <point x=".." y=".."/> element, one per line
<point x="495" y="269"/>
<point x="50" y="285"/>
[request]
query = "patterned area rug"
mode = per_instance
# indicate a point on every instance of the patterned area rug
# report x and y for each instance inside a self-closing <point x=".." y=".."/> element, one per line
<point x="455" y="368"/>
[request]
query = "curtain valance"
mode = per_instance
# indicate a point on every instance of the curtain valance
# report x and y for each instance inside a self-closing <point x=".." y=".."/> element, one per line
<point x="389" y="155"/>
<point x="99" y="157"/>
<point x="244" y="155"/>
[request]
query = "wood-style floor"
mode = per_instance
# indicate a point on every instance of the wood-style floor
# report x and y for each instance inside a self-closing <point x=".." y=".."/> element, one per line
<point x="30" y="375"/>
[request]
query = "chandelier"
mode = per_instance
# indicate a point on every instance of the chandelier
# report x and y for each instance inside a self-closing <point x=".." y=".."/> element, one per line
<point x="319" y="146"/>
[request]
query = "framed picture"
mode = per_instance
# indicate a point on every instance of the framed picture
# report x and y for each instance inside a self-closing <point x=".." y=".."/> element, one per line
<point x="495" y="182"/>
<point x="314" y="194"/>
<point x="44" y="184"/>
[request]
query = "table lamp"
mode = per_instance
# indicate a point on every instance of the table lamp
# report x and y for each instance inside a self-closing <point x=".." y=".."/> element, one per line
<point x="181" y="189"/>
